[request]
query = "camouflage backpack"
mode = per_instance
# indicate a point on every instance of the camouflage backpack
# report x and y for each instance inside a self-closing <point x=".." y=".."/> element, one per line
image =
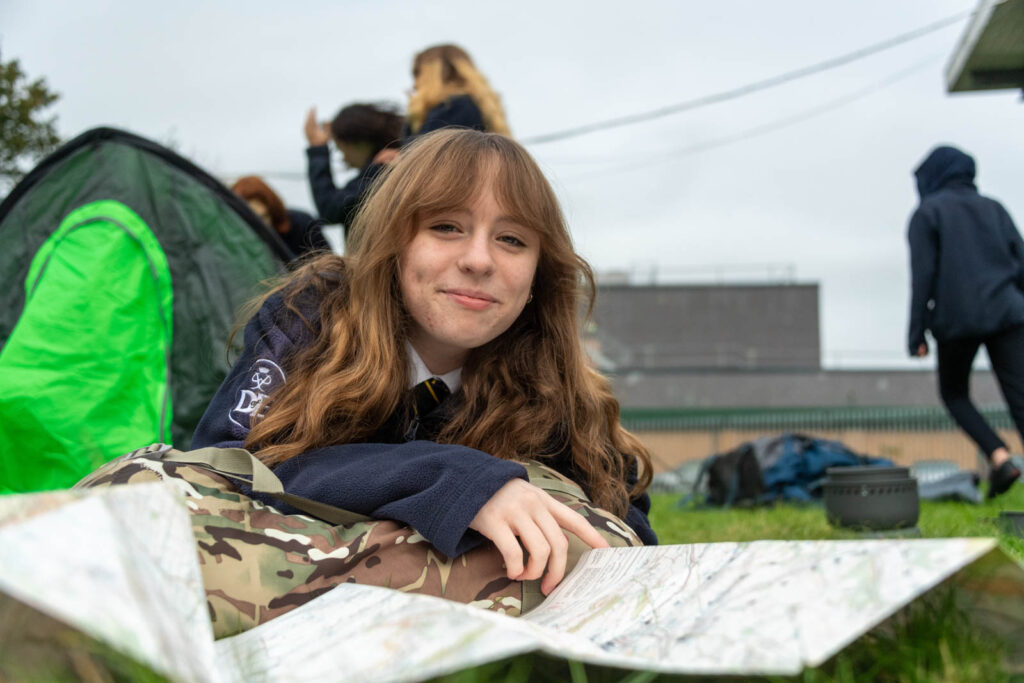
<point x="258" y="563"/>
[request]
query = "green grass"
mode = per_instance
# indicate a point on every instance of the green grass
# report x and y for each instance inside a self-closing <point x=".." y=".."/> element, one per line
<point x="928" y="641"/>
<point x="791" y="522"/>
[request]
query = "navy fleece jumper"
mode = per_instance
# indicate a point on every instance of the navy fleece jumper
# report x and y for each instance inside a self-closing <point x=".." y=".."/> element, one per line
<point x="435" y="488"/>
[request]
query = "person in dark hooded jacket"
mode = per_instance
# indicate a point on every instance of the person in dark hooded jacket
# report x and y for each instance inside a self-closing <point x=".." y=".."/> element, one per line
<point x="967" y="289"/>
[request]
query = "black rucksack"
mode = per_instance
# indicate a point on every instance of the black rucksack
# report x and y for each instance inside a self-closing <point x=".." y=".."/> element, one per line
<point x="734" y="478"/>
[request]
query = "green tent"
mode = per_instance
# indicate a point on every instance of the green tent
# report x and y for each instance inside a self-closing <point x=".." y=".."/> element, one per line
<point x="122" y="268"/>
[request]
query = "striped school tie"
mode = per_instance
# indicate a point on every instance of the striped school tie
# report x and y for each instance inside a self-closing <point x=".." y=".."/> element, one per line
<point x="427" y="395"/>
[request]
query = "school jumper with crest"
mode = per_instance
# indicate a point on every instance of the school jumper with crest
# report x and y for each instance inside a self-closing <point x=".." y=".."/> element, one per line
<point x="435" y="488"/>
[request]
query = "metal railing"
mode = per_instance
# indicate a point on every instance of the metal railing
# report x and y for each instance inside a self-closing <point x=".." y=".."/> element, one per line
<point x="883" y="418"/>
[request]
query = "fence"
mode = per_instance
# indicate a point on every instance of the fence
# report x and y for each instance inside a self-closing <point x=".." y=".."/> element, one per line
<point x="904" y="434"/>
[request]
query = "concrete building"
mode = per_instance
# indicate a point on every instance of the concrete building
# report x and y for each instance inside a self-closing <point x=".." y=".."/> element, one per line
<point x="701" y="368"/>
<point x="679" y="327"/>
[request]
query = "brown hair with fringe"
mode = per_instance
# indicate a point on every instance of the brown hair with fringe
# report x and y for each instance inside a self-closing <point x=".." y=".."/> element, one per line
<point x="252" y="187"/>
<point x="443" y="71"/>
<point x="529" y="393"/>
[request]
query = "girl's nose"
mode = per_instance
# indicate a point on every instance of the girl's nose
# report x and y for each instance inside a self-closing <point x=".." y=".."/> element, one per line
<point x="476" y="256"/>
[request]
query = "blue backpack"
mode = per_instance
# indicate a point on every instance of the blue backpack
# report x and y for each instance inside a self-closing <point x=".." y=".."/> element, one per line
<point x="790" y="467"/>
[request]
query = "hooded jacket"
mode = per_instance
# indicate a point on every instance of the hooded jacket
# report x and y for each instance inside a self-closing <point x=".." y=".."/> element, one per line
<point x="966" y="256"/>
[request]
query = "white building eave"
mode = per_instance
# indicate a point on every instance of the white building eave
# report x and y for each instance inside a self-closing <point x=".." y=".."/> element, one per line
<point x="990" y="54"/>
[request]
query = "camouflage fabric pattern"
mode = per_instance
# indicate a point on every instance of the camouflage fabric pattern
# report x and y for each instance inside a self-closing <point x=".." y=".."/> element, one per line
<point x="258" y="563"/>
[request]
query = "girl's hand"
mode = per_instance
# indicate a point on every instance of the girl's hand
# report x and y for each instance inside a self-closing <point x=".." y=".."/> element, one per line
<point x="316" y="134"/>
<point x="521" y="513"/>
<point x="385" y="156"/>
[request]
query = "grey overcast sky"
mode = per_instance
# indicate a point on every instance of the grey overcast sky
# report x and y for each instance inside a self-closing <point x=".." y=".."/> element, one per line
<point x="810" y="180"/>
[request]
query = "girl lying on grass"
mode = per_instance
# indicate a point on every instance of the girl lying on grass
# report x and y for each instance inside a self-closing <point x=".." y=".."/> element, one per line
<point x="410" y="379"/>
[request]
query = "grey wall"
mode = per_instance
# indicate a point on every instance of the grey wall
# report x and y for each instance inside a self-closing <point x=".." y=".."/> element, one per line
<point x="706" y="326"/>
<point x="776" y="389"/>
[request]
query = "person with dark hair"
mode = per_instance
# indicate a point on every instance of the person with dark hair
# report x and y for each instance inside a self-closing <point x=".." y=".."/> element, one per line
<point x="448" y="90"/>
<point x="409" y="379"/>
<point x="360" y="132"/>
<point x="967" y="288"/>
<point x="300" y="231"/>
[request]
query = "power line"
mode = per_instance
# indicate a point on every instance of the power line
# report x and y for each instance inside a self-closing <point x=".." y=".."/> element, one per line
<point x="745" y="89"/>
<point x="764" y="129"/>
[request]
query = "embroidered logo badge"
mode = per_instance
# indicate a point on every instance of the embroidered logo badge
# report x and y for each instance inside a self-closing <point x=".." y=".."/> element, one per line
<point x="264" y="377"/>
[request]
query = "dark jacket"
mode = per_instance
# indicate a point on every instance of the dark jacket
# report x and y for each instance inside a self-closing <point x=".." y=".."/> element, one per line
<point x="459" y="111"/>
<point x="305" y="234"/>
<point x="334" y="204"/>
<point x="435" y="488"/>
<point x="966" y="256"/>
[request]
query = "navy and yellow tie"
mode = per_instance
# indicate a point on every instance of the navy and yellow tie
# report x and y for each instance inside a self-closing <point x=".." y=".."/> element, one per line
<point x="427" y="395"/>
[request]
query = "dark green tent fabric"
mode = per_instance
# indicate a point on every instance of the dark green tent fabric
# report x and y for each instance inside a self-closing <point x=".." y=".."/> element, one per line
<point x="217" y="253"/>
<point x="85" y="372"/>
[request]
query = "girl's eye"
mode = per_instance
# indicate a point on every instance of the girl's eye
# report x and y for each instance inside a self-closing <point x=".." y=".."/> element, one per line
<point x="512" y="240"/>
<point x="444" y="227"/>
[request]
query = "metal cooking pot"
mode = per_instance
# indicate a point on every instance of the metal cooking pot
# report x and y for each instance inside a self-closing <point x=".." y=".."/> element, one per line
<point x="872" y="498"/>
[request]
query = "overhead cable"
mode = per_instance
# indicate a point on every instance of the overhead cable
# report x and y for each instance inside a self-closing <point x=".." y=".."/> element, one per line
<point x="763" y="129"/>
<point x="744" y="90"/>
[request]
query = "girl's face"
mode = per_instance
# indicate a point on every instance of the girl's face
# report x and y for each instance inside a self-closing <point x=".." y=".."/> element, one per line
<point x="260" y="209"/>
<point x="354" y="154"/>
<point x="465" y="277"/>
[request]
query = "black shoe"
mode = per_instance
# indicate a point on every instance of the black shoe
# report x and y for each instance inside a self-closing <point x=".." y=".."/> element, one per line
<point x="1001" y="478"/>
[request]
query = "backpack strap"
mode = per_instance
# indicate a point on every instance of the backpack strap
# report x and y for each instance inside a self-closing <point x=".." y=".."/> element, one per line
<point x="240" y="465"/>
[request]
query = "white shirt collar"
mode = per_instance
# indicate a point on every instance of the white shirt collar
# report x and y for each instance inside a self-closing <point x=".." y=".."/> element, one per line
<point x="418" y="371"/>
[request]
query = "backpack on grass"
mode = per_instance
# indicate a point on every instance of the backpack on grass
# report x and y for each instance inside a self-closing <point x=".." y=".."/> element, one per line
<point x="258" y="563"/>
<point x="789" y="467"/>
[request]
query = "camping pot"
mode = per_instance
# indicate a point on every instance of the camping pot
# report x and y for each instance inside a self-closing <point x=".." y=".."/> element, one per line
<point x="872" y="498"/>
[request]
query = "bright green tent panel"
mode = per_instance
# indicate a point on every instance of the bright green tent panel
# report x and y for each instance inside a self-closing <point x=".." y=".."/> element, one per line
<point x="84" y="374"/>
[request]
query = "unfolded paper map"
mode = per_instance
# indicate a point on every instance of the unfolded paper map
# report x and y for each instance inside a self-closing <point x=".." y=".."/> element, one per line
<point x="119" y="565"/>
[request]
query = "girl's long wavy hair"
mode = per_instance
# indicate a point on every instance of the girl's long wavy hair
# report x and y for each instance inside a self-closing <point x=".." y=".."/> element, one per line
<point x="443" y="71"/>
<point x="529" y="393"/>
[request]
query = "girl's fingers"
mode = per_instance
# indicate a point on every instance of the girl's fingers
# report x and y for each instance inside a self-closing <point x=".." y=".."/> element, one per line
<point x="508" y="545"/>
<point x="520" y="515"/>
<point x="570" y="520"/>
<point x="537" y="547"/>
<point x="559" y="547"/>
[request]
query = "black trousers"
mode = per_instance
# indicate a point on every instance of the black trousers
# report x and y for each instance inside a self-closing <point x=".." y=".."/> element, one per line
<point x="1006" y="352"/>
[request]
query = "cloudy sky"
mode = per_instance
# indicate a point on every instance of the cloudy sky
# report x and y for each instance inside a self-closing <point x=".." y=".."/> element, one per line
<point x="809" y="180"/>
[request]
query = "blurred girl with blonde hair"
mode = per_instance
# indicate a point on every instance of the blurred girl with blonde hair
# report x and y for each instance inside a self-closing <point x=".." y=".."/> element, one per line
<point x="448" y="90"/>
